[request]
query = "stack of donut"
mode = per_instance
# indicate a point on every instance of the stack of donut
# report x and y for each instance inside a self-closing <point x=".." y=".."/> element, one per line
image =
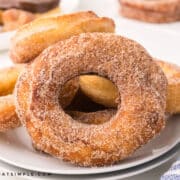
<point x="56" y="51"/>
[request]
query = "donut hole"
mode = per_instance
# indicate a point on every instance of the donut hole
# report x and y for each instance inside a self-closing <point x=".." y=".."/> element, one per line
<point x="94" y="102"/>
<point x="83" y="103"/>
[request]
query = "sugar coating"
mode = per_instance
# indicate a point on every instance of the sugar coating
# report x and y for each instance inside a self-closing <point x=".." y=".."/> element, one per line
<point x="8" y="116"/>
<point x="97" y="117"/>
<point x="140" y="115"/>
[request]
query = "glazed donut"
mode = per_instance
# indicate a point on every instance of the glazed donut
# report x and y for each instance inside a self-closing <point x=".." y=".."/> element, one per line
<point x="31" y="39"/>
<point x="161" y="11"/>
<point x="140" y="114"/>
<point x="8" y="78"/>
<point x="104" y="92"/>
<point x="8" y="116"/>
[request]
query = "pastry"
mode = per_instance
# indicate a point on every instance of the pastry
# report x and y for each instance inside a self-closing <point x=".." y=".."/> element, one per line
<point x="141" y="107"/>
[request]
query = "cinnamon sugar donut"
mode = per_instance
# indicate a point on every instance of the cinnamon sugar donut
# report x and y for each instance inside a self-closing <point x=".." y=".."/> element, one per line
<point x="140" y="114"/>
<point x="104" y="92"/>
<point x="154" y="11"/>
<point x="33" y="38"/>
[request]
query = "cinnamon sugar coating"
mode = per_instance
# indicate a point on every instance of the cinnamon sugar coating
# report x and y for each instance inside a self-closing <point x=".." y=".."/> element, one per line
<point x="140" y="115"/>
<point x="8" y="117"/>
<point x="97" y="117"/>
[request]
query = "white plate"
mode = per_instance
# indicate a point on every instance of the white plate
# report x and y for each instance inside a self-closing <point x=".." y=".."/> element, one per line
<point x="108" y="176"/>
<point x="67" y="6"/>
<point x="16" y="149"/>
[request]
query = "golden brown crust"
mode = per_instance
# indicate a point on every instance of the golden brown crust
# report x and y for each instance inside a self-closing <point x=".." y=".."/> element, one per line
<point x="140" y="82"/>
<point x="102" y="91"/>
<point x="8" y="78"/>
<point x="33" y="38"/>
<point x="99" y="89"/>
<point x="160" y="11"/>
<point x="172" y="72"/>
<point x="8" y="117"/>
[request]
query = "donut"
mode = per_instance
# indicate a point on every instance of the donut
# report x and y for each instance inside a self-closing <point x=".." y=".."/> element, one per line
<point x="8" y="117"/>
<point x="140" y="114"/>
<point x="14" y="18"/>
<point x="8" y="78"/>
<point x="99" y="90"/>
<point x="172" y="72"/>
<point x="161" y="11"/>
<point x="31" y="39"/>
<point x="39" y="6"/>
<point x="103" y="91"/>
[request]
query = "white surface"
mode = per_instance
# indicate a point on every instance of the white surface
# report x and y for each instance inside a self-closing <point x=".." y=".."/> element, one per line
<point x="110" y="176"/>
<point x="66" y="8"/>
<point x="16" y="149"/>
<point x="69" y="6"/>
<point x="162" y="41"/>
<point x="5" y="40"/>
<point x="111" y="8"/>
<point x="164" y="45"/>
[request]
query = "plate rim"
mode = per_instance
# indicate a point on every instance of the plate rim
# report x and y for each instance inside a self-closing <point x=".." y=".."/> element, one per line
<point x="133" y="171"/>
<point x="99" y="170"/>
